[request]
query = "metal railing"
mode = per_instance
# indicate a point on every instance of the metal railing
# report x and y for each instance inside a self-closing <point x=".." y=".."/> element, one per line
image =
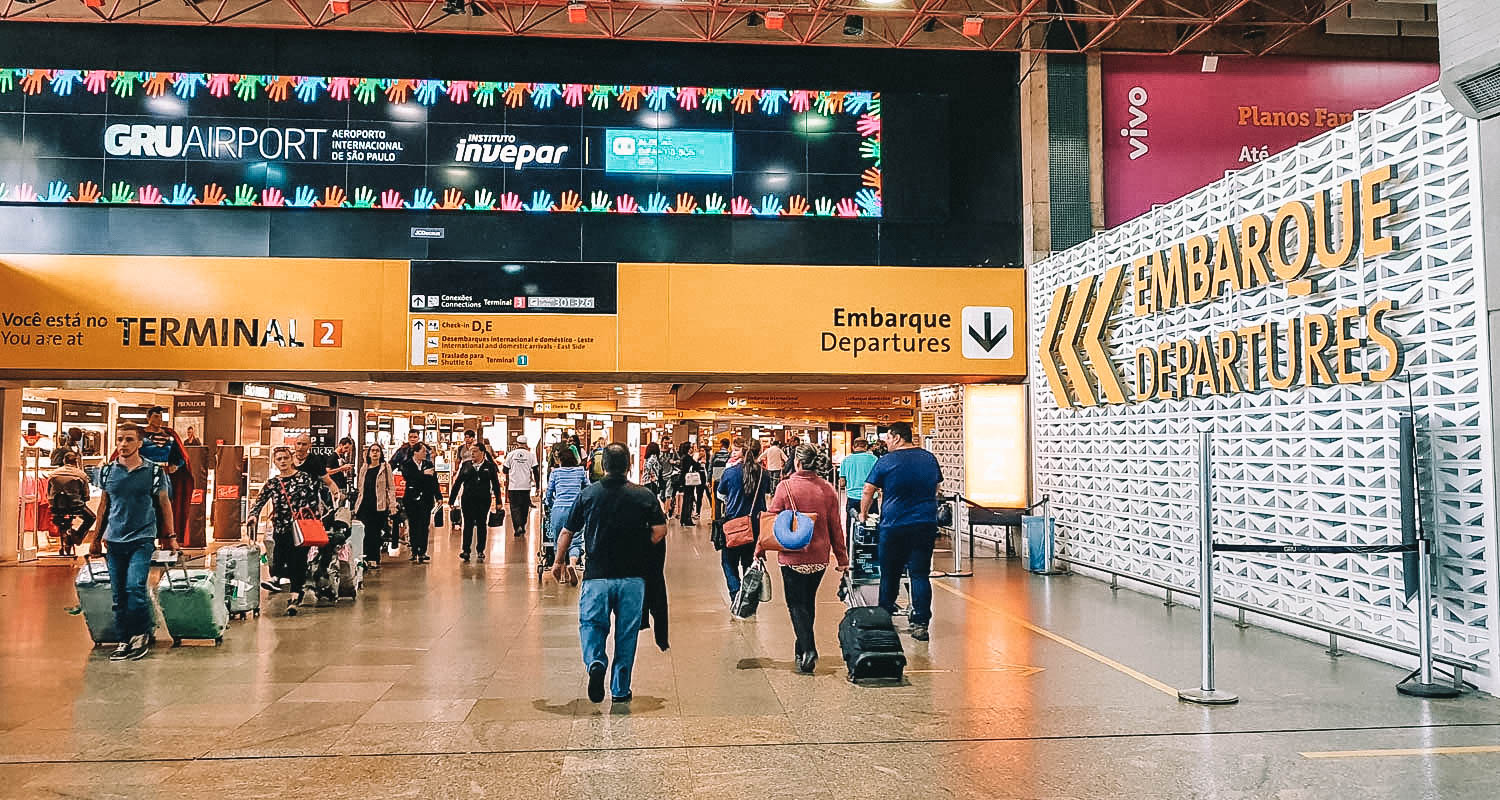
<point x="1335" y="632"/>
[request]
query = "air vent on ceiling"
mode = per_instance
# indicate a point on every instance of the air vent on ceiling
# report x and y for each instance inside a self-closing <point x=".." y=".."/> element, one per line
<point x="1482" y="90"/>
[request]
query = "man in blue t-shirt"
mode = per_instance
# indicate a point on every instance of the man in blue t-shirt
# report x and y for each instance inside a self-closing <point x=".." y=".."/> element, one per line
<point x="137" y="512"/>
<point x="853" y="471"/>
<point x="908" y="478"/>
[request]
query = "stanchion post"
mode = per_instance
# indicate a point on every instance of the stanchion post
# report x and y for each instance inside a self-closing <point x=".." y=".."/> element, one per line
<point x="1424" y="685"/>
<point x="1206" y="693"/>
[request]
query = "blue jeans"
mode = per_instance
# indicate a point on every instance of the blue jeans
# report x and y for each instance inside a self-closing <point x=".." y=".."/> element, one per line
<point x="597" y="600"/>
<point x="556" y="523"/>
<point x="908" y="549"/>
<point x="735" y="561"/>
<point x="129" y="572"/>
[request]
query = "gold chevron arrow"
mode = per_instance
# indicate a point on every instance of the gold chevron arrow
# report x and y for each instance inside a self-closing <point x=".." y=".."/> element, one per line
<point x="1093" y="342"/>
<point x="1044" y="348"/>
<point x="1068" y="351"/>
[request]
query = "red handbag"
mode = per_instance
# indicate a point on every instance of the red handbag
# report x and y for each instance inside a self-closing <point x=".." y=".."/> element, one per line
<point x="309" y="532"/>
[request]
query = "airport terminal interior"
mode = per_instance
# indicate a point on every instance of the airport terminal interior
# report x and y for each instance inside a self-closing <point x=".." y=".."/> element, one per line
<point x="705" y="399"/>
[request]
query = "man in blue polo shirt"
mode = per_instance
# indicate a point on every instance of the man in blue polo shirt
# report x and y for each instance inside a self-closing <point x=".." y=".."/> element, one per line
<point x="853" y="471"/>
<point x="908" y="478"/>
<point x="136" y="507"/>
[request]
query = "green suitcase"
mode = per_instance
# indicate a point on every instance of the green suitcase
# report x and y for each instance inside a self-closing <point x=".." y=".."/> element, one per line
<point x="192" y="604"/>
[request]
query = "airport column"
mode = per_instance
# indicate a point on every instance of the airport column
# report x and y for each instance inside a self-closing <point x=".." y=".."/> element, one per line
<point x="1036" y="192"/>
<point x="10" y="474"/>
<point x="1489" y="200"/>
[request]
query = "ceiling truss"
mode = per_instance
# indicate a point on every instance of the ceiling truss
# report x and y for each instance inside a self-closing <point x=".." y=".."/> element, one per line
<point x="1248" y="27"/>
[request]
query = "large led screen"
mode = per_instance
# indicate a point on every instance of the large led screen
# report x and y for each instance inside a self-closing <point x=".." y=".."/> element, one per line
<point x="189" y="138"/>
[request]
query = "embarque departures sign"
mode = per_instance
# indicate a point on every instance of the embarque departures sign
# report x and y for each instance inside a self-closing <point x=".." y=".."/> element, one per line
<point x="1330" y="229"/>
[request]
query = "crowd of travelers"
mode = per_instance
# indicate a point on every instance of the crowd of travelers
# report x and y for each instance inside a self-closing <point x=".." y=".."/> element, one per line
<point x="601" y="529"/>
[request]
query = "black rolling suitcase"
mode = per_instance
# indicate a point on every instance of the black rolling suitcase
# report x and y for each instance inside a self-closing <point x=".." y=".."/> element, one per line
<point x="870" y="644"/>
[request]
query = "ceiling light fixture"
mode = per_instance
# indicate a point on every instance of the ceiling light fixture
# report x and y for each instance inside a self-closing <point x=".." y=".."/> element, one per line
<point x="973" y="25"/>
<point x="1210" y="63"/>
<point x="775" y="20"/>
<point x="334" y="6"/>
<point x="578" y="13"/>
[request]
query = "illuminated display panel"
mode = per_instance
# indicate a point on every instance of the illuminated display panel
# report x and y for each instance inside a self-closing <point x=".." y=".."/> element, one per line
<point x="142" y="138"/>
<point x="997" y="469"/>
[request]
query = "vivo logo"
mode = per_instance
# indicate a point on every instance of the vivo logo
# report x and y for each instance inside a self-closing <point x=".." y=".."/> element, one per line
<point x="1136" y="133"/>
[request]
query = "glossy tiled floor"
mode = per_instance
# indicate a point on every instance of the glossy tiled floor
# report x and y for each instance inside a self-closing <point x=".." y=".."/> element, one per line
<point x="456" y="680"/>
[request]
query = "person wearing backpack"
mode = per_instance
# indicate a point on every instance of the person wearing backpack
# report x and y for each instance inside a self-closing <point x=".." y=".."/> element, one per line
<point x="68" y="497"/>
<point x="596" y="462"/>
<point x="136" y="506"/>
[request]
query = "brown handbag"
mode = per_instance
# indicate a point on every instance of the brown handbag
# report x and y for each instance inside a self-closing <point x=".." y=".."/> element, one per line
<point x="738" y="531"/>
<point x="768" y="540"/>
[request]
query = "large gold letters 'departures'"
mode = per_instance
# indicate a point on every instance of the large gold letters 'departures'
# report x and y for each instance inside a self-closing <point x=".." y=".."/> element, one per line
<point x="1331" y="229"/>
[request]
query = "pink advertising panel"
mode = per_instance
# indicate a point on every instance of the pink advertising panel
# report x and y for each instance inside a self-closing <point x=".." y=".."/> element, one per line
<point x="1170" y="128"/>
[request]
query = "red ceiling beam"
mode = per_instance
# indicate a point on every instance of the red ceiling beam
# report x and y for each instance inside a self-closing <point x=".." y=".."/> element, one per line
<point x="1333" y="7"/>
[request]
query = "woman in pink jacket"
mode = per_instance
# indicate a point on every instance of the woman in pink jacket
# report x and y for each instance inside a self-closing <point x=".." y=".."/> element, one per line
<point x="802" y="571"/>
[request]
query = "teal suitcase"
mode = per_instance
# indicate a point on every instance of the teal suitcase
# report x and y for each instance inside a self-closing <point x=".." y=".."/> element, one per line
<point x="192" y="604"/>
<point x="96" y="597"/>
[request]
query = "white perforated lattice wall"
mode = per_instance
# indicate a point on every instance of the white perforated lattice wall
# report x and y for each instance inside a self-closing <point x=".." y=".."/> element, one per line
<point x="1309" y="465"/>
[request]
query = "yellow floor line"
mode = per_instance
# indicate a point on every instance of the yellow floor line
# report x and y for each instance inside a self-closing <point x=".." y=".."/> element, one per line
<point x="1411" y="751"/>
<point x="1065" y="642"/>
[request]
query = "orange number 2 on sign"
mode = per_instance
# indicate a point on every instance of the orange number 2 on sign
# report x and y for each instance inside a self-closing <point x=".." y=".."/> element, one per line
<point x="328" y="333"/>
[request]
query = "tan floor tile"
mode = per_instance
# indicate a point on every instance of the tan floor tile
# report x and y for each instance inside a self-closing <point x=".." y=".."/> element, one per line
<point x="336" y="691"/>
<point x="386" y="712"/>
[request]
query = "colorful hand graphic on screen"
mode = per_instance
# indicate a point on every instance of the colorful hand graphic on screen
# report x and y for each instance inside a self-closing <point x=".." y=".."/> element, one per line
<point x="428" y="91"/>
<point x="801" y="100"/>
<point x="484" y="200"/>
<point x="771" y="100"/>
<point x="713" y="100"/>
<point x="333" y="197"/>
<point x="823" y="207"/>
<point x="573" y="94"/>
<point x="32" y="80"/>
<point x="510" y="201"/>
<point x="304" y="197"/>
<point x="150" y="195"/>
<point x="743" y="100"/>
<point x="96" y="81"/>
<point x="625" y="204"/>
<point x="186" y="84"/>
<point x="830" y="103"/>
<point x="57" y="191"/>
<point x="422" y="199"/>
<point x="7" y="79"/>
<point x="858" y="102"/>
<point x="308" y="88"/>
<point x="366" y="90"/>
<point x="271" y="197"/>
<point x="397" y="90"/>
<point x="515" y="94"/>
<point x="599" y="96"/>
<point x="657" y="203"/>
<point x="63" y="81"/>
<point x="213" y="195"/>
<point x="155" y="83"/>
<point x="245" y="88"/>
<point x="121" y="192"/>
<point x="484" y="93"/>
<point x="458" y="91"/>
<point x="741" y="207"/>
<point x="88" y="192"/>
<point x="659" y="98"/>
<point x="630" y="97"/>
<point x="868" y="201"/>
<point x="183" y="195"/>
<point x="600" y="203"/>
<point x="688" y="97"/>
<point x="244" y="195"/>
<point x="453" y="199"/>
<point x="541" y="200"/>
<point x="770" y="206"/>
<point x="871" y="178"/>
<point x="219" y="84"/>
<point x="686" y="204"/>
<point x="123" y="84"/>
<point x="870" y="148"/>
<point x="543" y="94"/>
<point x="796" y="206"/>
<point x="364" y="197"/>
<point x="713" y="203"/>
<point x="570" y="201"/>
<point x="848" y="208"/>
<point x="24" y="194"/>
<point x="338" y="88"/>
<point x="390" y="198"/>
<point x="868" y="125"/>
